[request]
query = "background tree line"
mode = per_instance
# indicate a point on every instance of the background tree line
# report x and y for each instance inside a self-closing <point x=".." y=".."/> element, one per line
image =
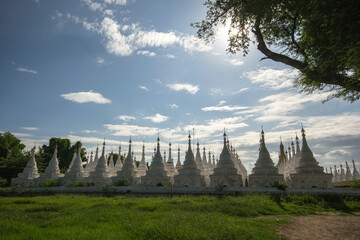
<point x="14" y="157"/>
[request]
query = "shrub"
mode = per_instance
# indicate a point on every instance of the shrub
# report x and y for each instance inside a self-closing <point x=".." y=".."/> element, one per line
<point x="280" y="186"/>
<point x="355" y="184"/>
<point x="122" y="182"/>
<point x="51" y="183"/>
<point x="75" y="184"/>
<point x="4" y="183"/>
<point x="89" y="184"/>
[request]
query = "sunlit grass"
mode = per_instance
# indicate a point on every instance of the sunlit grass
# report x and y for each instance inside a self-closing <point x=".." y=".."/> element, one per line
<point x="84" y="217"/>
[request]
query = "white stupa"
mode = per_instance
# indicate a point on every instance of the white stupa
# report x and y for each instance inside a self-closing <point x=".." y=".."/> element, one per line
<point x="128" y="170"/>
<point x="348" y="175"/>
<point x="356" y="175"/>
<point x="102" y="173"/>
<point x="178" y="163"/>
<point x="205" y="162"/>
<point x="336" y="175"/>
<point x="200" y="165"/>
<point x="93" y="164"/>
<point x="118" y="164"/>
<point x="142" y="168"/>
<point x="29" y="175"/>
<point x="76" y="171"/>
<point x="157" y="174"/>
<point x="225" y="173"/>
<point x="308" y="173"/>
<point x="342" y="174"/>
<point x="171" y="170"/>
<point x="52" y="171"/>
<point x="189" y="174"/>
<point x="264" y="174"/>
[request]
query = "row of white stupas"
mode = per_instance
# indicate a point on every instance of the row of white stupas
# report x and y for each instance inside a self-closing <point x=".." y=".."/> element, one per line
<point x="196" y="171"/>
<point x="340" y="175"/>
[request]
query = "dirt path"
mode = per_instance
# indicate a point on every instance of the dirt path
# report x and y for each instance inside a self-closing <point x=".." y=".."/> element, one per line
<point x="327" y="226"/>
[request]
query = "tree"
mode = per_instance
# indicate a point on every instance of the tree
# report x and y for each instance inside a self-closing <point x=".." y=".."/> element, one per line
<point x="320" y="38"/>
<point x="13" y="158"/>
<point x="65" y="153"/>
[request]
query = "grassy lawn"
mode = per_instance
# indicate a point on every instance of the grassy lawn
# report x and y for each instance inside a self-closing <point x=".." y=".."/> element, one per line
<point x="84" y="217"/>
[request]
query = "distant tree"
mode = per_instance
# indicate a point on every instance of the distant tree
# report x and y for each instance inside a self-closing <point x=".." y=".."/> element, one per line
<point x="13" y="158"/>
<point x="319" y="38"/>
<point x="65" y="153"/>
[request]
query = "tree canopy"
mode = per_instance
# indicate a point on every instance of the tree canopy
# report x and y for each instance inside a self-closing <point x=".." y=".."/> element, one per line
<point x="320" y="38"/>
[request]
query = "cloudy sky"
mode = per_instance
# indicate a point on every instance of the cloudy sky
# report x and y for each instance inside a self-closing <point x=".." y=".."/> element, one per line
<point x="95" y="69"/>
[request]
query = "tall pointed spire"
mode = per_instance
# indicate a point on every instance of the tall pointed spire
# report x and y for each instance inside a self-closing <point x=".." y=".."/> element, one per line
<point x="189" y="174"/>
<point x="356" y="175"/>
<point x="29" y="175"/>
<point x="52" y="171"/>
<point x="308" y="173"/>
<point x="142" y="168"/>
<point x="348" y="173"/>
<point x="157" y="174"/>
<point x="178" y="163"/>
<point x="128" y="170"/>
<point x="264" y="174"/>
<point x="225" y="173"/>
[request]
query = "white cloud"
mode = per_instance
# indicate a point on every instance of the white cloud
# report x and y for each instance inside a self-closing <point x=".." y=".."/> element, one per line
<point x="30" y="128"/>
<point x="170" y="56"/>
<point x="222" y="92"/>
<point x="223" y="108"/>
<point x="184" y="86"/>
<point x="84" y="97"/>
<point x="146" y="53"/>
<point x="143" y="88"/>
<point x="117" y="2"/>
<point x="125" y="118"/>
<point x="157" y="118"/>
<point x="20" y="135"/>
<point x="131" y="130"/>
<point x="273" y="78"/>
<point x="92" y="140"/>
<point x="125" y="39"/>
<point x="235" y="62"/>
<point x="173" y="105"/>
<point x="22" y="69"/>
<point x="158" y="81"/>
<point x="89" y="131"/>
<point x="100" y="60"/>
<point x="108" y="12"/>
<point x="94" y="6"/>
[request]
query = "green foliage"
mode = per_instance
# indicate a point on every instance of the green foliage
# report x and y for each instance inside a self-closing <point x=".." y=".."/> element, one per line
<point x="355" y="184"/>
<point x="51" y="183"/>
<point x="122" y="182"/>
<point x="319" y="38"/>
<point x="75" y="184"/>
<point x="4" y="183"/>
<point x="84" y="217"/>
<point x="281" y="186"/>
<point x="13" y="158"/>
<point x="89" y="184"/>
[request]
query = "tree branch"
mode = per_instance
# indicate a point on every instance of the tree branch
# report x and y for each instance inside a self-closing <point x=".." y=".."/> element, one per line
<point x="272" y="55"/>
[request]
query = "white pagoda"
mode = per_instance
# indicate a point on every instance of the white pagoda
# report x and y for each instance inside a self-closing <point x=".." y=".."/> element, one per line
<point x="264" y="174"/>
<point x="52" y="171"/>
<point x="308" y="173"/>
<point x="189" y="174"/>
<point x="157" y="174"/>
<point x="29" y="175"/>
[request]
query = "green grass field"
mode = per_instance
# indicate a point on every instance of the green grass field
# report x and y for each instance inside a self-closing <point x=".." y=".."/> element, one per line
<point x="84" y="217"/>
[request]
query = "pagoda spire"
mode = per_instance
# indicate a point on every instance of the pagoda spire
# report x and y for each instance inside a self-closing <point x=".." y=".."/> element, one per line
<point x="170" y="158"/>
<point x="355" y="174"/>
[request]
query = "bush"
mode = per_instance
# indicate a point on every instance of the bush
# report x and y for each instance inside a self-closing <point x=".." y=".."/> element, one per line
<point x="355" y="184"/>
<point x="75" y="184"/>
<point x="51" y="183"/>
<point x="89" y="184"/>
<point x="4" y="183"/>
<point x="122" y="182"/>
<point x="280" y="186"/>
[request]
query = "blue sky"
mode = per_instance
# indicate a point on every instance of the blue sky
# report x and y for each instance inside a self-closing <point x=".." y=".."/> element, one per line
<point x="94" y="69"/>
